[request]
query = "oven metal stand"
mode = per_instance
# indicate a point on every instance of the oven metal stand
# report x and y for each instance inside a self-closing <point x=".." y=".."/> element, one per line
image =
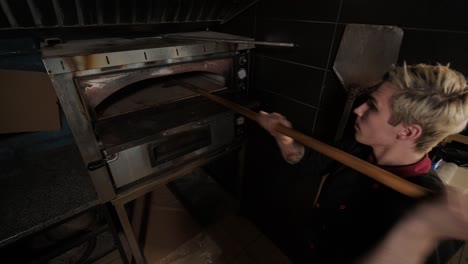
<point x="139" y="192"/>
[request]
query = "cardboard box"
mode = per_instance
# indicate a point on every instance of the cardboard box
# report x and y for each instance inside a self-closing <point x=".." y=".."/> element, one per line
<point x="27" y="102"/>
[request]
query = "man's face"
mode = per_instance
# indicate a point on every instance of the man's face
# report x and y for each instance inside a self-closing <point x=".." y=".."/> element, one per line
<point x="372" y="127"/>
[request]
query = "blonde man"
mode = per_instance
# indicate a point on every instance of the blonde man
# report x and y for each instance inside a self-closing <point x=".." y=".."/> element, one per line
<point x="410" y="112"/>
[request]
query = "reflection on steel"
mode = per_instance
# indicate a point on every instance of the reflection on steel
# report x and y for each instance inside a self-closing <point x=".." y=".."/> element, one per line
<point x="163" y="16"/>
<point x="189" y="13"/>
<point x="211" y="13"/>
<point x="8" y="13"/>
<point x="35" y="13"/>
<point x="58" y="12"/>
<point x="134" y="7"/>
<point x="103" y="87"/>
<point x="149" y="11"/>
<point x="117" y="11"/>
<point x="223" y="12"/>
<point x="100" y="19"/>
<point x="200" y="14"/>
<point x="79" y="12"/>
<point x="239" y="12"/>
<point x="177" y="12"/>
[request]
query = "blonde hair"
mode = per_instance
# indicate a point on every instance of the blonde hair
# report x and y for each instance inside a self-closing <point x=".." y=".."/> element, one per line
<point x="434" y="97"/>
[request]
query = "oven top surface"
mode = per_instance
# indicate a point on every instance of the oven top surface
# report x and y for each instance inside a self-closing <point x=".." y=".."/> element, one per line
<point x="96" y="46"/>
<point x="87" y="57"/>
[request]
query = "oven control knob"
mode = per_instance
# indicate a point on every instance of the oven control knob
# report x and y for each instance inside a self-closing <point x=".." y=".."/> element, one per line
<point x="242" y="73"/>
<point x="240" y="120"/>
<point x="242" y="60"/>
<point x="242" y="86"/>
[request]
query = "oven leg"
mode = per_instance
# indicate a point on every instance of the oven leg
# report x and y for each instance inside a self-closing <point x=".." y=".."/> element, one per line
<point x="137" y="216"/>
<point x="240" y="173"/>
<point x="127" y="228"/>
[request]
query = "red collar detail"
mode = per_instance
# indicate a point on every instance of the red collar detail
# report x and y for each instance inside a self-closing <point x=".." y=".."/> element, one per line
<point x="416" y="169"/>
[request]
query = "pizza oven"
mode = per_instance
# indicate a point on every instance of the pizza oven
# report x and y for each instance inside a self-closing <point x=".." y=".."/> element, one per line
<point x="131" y="119"/>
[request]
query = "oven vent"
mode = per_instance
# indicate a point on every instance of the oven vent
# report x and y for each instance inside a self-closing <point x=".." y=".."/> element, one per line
<point x="30" y="14"/>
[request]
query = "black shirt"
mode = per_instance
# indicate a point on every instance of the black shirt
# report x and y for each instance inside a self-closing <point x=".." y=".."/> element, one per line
<point x="354" y="212"/>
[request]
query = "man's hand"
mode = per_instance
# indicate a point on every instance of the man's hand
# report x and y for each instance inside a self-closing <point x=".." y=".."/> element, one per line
<point x="291" y="151"/>
<point x="270" y="121"/>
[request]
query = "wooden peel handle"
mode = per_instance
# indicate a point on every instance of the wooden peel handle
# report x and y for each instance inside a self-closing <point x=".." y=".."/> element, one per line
<point x="396" y="183"/>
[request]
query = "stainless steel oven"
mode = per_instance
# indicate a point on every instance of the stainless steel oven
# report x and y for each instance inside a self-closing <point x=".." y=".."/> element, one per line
<point x="130" y="118"/>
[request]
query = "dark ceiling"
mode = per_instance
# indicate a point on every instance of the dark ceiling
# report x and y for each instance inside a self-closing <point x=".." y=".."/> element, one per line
<point x="40" y="14"/>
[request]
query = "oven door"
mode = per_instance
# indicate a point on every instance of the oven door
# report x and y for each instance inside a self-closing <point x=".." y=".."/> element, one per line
<point x="172" y="148"/>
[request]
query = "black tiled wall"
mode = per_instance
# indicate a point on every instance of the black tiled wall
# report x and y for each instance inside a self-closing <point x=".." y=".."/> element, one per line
<point x="434" y="32"/>
<point x="298" y="74"/>
<point x="300" y="83"/>
<point x="420" y="14"/>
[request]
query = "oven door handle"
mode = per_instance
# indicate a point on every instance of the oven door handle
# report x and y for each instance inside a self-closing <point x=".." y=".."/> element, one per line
<point x="94" y="165"/>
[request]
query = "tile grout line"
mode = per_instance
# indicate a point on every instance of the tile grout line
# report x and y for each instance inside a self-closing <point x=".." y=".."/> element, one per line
<point x="288" y="98"/>
<point x="291" y="62"/>
<point x="299" y="20"/>
<point x="364" y="23"/>
<point x="413" y="28"/>
<point x="435" y="30"/>
<point x="328" y="65"/>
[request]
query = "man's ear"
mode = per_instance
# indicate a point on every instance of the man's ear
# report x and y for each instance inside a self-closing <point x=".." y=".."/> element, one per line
<point x="410" y="132"/>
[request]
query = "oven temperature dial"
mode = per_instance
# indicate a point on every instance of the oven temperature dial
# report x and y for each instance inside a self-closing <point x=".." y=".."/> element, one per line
<point x="242" y="60"/>
<point x="242" y="73"/>
<point x="240" y="120"/>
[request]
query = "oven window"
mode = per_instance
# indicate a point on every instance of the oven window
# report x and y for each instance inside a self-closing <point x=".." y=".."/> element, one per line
<point x="178" y="145"/>
<point x="156" y="91"/>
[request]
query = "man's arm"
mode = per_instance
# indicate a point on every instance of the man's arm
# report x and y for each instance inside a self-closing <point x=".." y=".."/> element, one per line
<point x="415" y="237"/>
<point x="410" y="242"/>
<point x="292" y="151"/>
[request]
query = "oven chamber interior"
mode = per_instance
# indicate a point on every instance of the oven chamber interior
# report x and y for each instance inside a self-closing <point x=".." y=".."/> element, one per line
<point x="136" y="116"/>
<point x="116" y="94"/>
